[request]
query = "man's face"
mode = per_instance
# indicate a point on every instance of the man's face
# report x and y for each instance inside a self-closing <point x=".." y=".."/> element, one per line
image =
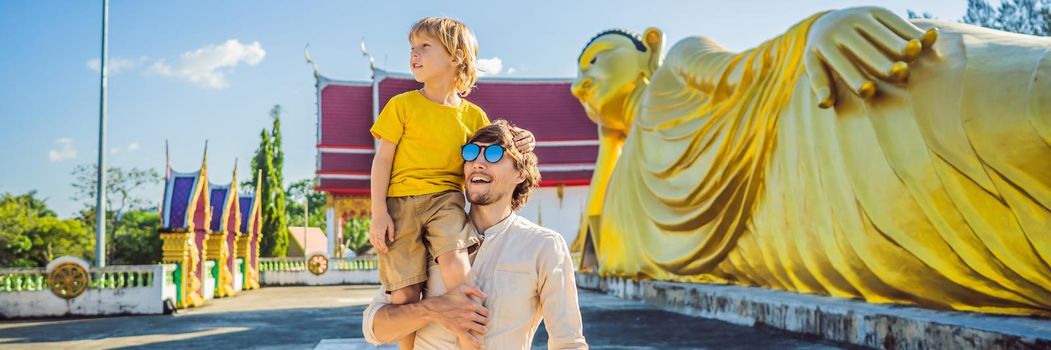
<point x="488" y="183"/>
<point x="609" y="70"/>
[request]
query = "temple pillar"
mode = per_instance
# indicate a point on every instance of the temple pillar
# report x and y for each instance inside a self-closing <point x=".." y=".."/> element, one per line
<point x="216" y="250"/>
<point x="241" y="252"/>
<point x="178" y="249"/>
<point x="330" y="231"/>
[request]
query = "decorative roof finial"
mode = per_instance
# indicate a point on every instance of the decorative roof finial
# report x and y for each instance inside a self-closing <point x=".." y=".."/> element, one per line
<point x="258" y="183"/>
<point x="233" y="183"/>
<point x="204" y="162"/>
<point x="365" y="52"/>
<point x="310" y="60"/>
<point x="167" y="161"/>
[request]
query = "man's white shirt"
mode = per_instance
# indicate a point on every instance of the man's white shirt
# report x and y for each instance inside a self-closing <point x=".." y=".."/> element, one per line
<point x="527" y="273"/>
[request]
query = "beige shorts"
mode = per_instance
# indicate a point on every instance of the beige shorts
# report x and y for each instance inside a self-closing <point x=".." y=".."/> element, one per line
<point x="425" y="226"/>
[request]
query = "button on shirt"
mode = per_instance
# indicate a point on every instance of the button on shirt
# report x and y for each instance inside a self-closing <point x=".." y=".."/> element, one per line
<point x="527" y="273"/>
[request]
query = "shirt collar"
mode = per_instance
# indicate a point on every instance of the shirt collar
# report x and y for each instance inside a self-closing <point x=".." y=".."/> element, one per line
<point x="501" y="226"/>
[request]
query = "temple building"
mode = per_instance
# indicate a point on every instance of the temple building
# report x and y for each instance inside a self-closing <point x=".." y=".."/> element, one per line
<point x="184" y="227"/>
<point x="567" y="145"/>
<point x="211" y="234"/>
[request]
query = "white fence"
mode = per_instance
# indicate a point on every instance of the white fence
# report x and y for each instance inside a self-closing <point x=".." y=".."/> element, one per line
<point x="114" y="290"/>
<point x="295" y="272"/>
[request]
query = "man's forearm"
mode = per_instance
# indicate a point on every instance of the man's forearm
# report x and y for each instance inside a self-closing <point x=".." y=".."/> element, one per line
<point x="393" y="322"/>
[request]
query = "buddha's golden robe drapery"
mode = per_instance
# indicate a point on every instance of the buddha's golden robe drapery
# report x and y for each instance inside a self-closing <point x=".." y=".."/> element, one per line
<point x="934" y="192"/>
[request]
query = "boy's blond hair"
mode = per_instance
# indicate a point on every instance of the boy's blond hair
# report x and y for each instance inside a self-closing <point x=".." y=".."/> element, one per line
<point x="453" y="35"/>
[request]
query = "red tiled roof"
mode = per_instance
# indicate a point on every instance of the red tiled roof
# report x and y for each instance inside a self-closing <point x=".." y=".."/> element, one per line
<point x="567" y="141"/>
<point x="346" y="112"/>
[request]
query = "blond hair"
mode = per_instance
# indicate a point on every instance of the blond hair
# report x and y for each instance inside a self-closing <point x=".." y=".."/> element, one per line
<point x="453" y="35"/>
<point x="499" y="133"/>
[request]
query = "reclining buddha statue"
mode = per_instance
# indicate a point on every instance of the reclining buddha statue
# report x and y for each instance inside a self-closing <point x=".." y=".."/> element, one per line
<point x="858" y="155"/>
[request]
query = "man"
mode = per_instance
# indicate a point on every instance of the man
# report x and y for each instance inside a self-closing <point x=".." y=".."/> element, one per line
<point x="523" y="272"/>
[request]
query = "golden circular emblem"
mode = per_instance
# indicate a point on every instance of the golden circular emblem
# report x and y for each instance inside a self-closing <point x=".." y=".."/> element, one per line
<point x="317" y="264"/>
<point x="68" y="280"/>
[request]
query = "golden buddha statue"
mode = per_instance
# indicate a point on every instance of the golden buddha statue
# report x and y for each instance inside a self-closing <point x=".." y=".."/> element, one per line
<point x="857" y="155"/>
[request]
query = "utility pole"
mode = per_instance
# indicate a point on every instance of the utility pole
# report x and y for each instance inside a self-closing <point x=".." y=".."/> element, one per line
<point x="100" y="190"/>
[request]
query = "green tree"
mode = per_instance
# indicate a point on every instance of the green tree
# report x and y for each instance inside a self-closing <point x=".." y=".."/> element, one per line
<point x="53" y="237"/>
<point x="279" y="223"/>
<point x="120" y="187"/>
<point x="17" y="215"/>
<point x="121" y="200"/>
<point x="1031" y="17"/>
<point x="268" y="161"/>
<point x="32" y="235"/>
<point x="296" y="193"/>
<point x="261" y="164"/>
<point x="136" y="239"/>
<point x="356" y="235"/>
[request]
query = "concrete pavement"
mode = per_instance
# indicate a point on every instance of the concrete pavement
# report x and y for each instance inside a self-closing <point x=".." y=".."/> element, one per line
<point x="304" y="317"/>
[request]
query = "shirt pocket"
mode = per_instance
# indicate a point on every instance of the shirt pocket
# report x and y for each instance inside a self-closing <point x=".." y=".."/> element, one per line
<point x="516" y="299"/>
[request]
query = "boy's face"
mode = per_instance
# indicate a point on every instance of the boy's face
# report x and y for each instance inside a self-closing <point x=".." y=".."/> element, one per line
<point x="428" y="59"/>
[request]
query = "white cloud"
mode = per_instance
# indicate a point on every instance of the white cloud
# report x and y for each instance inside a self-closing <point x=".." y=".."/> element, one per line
<point x="134" y="146"/>
<point x="207" y="66"/>
<point x="65" y="150"/>
<point x="511" y="71"/>
<point x="490" y="66"/>
<point x="114" y="150"/>
<point x="117" y="64"/>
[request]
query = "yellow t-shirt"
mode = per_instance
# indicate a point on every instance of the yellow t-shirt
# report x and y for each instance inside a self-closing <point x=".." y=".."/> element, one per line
<point x="429" y="136"/>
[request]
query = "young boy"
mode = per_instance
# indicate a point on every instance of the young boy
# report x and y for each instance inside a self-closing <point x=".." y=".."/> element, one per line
<point x="417" y="173"/>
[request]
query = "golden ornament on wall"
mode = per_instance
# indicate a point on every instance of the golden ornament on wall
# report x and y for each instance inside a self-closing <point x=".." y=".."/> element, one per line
<point x="317" y="264"/>
<point x="69" y="280"/>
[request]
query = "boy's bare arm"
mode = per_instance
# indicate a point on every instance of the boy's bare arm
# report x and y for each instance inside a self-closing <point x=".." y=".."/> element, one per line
<point x="382" y="227"/>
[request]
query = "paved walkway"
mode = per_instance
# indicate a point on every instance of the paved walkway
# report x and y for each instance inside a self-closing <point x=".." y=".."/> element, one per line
<point x="304" y="317"/>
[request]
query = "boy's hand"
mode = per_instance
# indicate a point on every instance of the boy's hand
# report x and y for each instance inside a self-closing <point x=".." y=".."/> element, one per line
<point x="381" y="230"/>
<point x="524" y="140"/>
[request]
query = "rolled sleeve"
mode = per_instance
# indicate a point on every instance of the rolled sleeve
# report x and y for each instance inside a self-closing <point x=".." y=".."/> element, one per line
<point x="558" y="298"/>
<point x="382" y="299"/>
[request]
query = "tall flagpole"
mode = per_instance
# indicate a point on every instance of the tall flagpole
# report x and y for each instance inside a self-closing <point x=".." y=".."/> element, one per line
<point x="100" y="191"/>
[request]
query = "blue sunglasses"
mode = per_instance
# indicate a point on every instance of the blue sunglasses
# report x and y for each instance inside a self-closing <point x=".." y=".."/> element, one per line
<point x="493" y="153"/>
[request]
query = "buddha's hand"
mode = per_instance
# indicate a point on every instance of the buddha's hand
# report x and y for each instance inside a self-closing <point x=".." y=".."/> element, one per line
<point x="859" y="45"/>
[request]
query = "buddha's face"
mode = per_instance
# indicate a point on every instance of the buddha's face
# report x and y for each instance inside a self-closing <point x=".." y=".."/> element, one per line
<point x="610" y="68"/>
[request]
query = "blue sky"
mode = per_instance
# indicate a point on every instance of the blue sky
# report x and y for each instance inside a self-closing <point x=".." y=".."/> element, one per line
<point x="191" y="71"/>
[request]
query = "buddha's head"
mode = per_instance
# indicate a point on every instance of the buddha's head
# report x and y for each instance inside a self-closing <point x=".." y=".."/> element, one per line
<point x="611" y="66"/>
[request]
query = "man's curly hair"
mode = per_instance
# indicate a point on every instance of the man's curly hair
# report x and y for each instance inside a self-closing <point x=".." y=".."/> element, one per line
<point x="499" y="133"/>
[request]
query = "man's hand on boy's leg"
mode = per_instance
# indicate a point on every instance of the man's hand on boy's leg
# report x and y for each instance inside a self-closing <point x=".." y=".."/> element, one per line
<point x="524" y="140"/>
<point x="381" y="230"/>
<point x="473" y="339"/>
<point x="459" y="312"/>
